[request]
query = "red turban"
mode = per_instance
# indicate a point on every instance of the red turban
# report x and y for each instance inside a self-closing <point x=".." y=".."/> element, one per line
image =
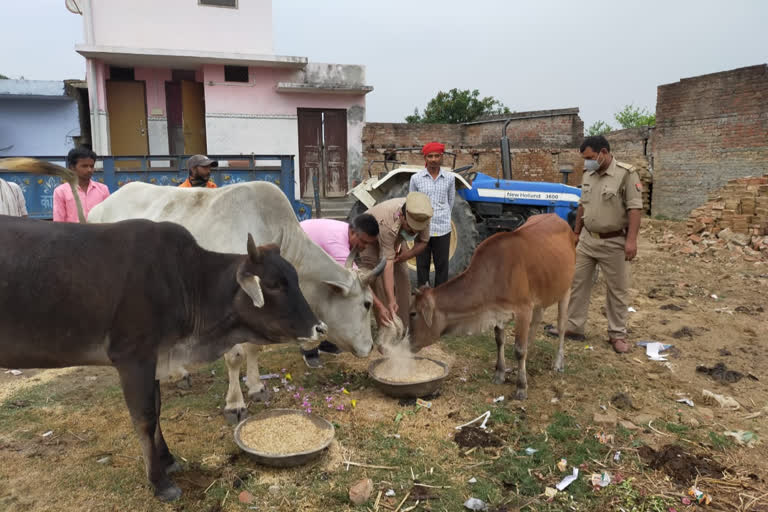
<point x="433" y="147"/>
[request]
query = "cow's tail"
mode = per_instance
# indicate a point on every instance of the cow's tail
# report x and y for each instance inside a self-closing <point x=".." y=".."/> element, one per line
<point x="35" y="166"/>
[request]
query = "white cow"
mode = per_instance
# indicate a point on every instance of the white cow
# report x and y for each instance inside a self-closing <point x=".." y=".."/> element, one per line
<point x="220" y="219"/>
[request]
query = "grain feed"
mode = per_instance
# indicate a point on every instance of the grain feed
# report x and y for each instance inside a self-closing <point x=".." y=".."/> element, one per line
<point x="406" y="370"/>
<point x="284" y="435"/>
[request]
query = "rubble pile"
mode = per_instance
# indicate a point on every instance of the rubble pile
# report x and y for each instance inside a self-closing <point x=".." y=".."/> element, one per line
<point x="735" y="217"/>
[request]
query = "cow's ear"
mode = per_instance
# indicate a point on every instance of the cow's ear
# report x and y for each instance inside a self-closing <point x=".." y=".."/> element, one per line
<point x="339" y="287"/>
<point x="427" y="308"/>
<point x="251" y="284"/>
<point x="255" y="253"/>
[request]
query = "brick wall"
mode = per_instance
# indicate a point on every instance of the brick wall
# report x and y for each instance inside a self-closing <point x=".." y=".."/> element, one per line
<point x="634" y="146"/>
<point x="542" y="142"/>
<point x="709" y="129"/>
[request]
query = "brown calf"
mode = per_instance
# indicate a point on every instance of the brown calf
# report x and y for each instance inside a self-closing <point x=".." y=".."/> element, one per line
<point x="515" y="274"/>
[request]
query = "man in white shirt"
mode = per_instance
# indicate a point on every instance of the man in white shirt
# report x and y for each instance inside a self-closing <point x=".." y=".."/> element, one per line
<point x="12" y="200"/>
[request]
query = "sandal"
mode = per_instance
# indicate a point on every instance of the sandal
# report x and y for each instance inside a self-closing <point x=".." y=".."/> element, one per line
<point x="551" y="330"/>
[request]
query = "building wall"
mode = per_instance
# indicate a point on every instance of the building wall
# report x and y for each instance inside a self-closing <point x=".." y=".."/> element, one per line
<point x="634" y="146"/>
<point x="709" y="129"/>
<point x="253" y="117"/>
<point x="38" y="126"/>
<point x="542" y="143"/>
<point x="182" y="25"/>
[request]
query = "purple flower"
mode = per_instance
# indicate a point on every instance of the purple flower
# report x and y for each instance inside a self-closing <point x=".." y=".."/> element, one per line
<point x="340" y="407"/>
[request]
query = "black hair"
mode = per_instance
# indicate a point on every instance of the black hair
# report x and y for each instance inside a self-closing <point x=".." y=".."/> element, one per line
<point x="78" y="153"/>
<point x="596" y="142"/>
<point x="366" y="223"/>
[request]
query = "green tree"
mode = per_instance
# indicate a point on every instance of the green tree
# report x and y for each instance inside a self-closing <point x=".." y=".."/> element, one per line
<point x="599" y="128"/>
<point x="3" y="77"/>
<point x="457" y="106"/>
<point x="633" y="117"/>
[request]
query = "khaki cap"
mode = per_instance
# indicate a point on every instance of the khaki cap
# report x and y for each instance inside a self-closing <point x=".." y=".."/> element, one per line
<point x="418" y="210"/>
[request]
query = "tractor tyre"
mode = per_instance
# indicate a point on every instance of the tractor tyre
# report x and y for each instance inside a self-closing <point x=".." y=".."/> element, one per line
<point x="356" y="210"/>
<point x="464" y="234"/>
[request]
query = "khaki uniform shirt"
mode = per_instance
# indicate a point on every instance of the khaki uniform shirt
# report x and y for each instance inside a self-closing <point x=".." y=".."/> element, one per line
<point x="389" y="214"/>
<point x="607" y="196"/>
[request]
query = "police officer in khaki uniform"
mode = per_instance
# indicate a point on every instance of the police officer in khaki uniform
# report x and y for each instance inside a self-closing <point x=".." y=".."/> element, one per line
<point x="607" y="224"/>
<point x="401" y="219"/>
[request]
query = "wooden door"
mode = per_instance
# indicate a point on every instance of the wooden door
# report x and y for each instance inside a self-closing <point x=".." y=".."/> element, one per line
<point x="310" y="149"/>
<point x="335" y="156"/>
<point x="193" y="117"/>
<point x="127" y="120"/>
<point x="173" y="114"/>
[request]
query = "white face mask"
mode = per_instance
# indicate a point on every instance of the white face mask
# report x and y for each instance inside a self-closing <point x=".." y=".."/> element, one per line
<point x="407" y="236"/>
<point x="592" y="165"/>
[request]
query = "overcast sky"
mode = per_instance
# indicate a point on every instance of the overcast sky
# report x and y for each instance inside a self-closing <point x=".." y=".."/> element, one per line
<point x="598" y="56"/>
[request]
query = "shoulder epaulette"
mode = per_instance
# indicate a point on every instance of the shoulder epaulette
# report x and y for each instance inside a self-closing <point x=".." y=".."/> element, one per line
<point x="628" y="167"/>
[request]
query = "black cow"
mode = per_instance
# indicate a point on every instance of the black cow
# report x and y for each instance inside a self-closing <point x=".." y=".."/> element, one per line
<point x="133" y="295"/>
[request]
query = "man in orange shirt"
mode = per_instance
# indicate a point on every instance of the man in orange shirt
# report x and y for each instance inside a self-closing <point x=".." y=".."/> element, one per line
<point x="200" y="172"/>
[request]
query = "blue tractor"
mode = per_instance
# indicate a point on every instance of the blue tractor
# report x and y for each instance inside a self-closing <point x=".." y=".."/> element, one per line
<point x="484" y="205"/>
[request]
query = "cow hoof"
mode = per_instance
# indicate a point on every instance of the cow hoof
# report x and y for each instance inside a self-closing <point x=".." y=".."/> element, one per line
<point x="170" y="493"/>
<point x="173" y="468"/>
<point x="235" y="416"/>
<point x="521" y="394"/>
<point x="184" y="383"/>
<point x="499" y="379"/>
<point x="260" y="396"/>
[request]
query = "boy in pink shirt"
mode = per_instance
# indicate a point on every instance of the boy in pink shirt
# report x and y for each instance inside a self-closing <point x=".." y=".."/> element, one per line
<point x="82" y="161"/>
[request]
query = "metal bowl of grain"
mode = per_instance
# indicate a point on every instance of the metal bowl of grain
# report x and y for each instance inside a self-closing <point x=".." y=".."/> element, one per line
<point x="408" y="378"/>
<point x="284" y="437"/>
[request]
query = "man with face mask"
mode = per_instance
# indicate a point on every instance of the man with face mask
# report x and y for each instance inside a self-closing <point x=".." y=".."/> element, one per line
<point x="199" y="172"/>
<point x="401" y="220"/>
<point x="607" y="223"/>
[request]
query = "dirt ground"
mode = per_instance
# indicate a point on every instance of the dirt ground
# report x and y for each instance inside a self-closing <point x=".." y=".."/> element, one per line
<point x="711" y="310"/>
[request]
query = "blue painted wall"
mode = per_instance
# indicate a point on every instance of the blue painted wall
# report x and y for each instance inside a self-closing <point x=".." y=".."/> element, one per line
<point x="37" y="125"/>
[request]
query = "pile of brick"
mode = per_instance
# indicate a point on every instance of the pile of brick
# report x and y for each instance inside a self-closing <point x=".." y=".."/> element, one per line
<point x="735" y="217"/>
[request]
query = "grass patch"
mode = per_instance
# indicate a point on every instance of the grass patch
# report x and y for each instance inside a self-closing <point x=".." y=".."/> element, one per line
<point x="719" y="441"/>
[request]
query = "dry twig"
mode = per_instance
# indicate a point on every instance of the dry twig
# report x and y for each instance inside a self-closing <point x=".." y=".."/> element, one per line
<point x="401" y="503"/>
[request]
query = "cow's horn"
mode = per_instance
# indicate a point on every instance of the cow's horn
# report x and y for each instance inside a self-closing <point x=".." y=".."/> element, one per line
<point x="351" y="259"/>
<point x="372" y="274"/>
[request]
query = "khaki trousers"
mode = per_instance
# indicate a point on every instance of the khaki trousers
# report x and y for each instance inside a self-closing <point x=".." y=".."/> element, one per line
<point x="368" y="259"/>
<point x="609" y="253"/>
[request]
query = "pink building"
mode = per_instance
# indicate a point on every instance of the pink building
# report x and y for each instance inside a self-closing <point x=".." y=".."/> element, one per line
<point x="200" y="76"/>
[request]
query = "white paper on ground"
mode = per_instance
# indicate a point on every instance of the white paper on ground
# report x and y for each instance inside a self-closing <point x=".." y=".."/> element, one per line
<point x="565" y="482"/>
<point x="652" y="349"/>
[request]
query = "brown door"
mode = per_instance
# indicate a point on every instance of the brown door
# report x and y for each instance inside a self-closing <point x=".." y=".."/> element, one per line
<point x="127" y="120"/>
<point x="335" y="143"/>
<point x="193" y="117"/>
<point x="310" y="149"/>
<point x="173" y="114"/>
<point x="323" y="151"/>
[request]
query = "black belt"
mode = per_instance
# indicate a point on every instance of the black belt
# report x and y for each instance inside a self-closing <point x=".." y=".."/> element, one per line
<point x="611" y="234"/>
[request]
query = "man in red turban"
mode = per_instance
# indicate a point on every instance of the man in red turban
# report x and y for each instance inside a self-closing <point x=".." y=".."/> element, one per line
<point x="439" y="185"/>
